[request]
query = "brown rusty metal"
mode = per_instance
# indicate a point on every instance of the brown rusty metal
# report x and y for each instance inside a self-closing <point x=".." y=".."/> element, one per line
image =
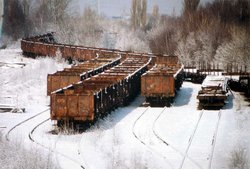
<point x="212" y="93"/>
<point x="158" y="85"/>
<point x="77" y="73"/>
<point x="161" y="81"/>
<point x="97" y="95"/>
<point x="41" y="46"/>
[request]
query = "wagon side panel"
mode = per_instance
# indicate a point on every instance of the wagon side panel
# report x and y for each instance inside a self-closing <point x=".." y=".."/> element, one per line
<point x="53" y="107"/>
<point x="49" y="89"/>
<point x="55" y="83"/>
<point x="168" y="86"/>
<point x="72" y="105"/>
<point x="58" y="107"/>
<point x="150" y="85"/>
<point x="86" y="107"/>
<point x="67" y="80"/>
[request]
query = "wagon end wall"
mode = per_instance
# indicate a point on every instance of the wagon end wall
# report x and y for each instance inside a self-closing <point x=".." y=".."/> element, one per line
<point x="78" y="107"/>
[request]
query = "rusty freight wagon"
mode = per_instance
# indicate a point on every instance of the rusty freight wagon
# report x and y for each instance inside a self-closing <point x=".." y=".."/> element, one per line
<point x="80" y="72"/>
<point x="160" y="83"/>
<point x="94" y="97"/>
<point x="46" y="45"/>
<point x="213" y="92"/>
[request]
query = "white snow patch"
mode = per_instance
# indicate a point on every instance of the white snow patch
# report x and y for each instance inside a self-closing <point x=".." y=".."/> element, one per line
<point x="110" y="143"/>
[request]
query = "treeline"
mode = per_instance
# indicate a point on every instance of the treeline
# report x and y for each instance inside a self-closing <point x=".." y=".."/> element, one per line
<point x="23" y="18"/>
<point x="217" y="33"/>
<point x="26" y="17"/>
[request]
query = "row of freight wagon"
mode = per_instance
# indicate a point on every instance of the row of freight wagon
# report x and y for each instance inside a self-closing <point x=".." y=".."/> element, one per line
<point x="99" y="94"/>
<point x="106" y="80"/>
<point x="80" y="72"/>
<point x="93" y="97"/>
<point x="46" y="45"/>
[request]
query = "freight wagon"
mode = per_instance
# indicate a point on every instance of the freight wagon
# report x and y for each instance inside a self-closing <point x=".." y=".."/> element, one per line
<point x="80" y="72"/>
<point x="46" y="45"/>
<point x="96" y="96"/>
<point x="213" y="92"/>
<point x="160" y="83"/>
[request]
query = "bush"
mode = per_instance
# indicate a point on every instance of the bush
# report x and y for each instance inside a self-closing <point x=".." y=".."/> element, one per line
<point x="238" y="159"/>
<point x="14" y="155"/>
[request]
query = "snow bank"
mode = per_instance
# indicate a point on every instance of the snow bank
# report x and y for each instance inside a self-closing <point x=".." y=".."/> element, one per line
<point x="14" y="155"/>
<point x="110" y="143"/>
<point x="26" y="85"/>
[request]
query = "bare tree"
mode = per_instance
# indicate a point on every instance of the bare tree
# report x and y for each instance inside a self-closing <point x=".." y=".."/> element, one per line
<point x="163" y="38"/>
<point x="13" y="19"/>
<point x="190" y="17"/>
<point x="90" y="28"/>
<point x="15" y="156"/>
<point x="239" y="159"/>
<point x="40" y="15"/>
<point x="26" y="8"/>
<point x="143" y="13"/>
<point x="154" y="18"/>
<point x="60" y="10"/>
<point x="190" y="6"/>
<point x="134" y="22"/>
<point x="155" y="12"/>
<point x="236" y="51"/>
<point x="138" y="14"/>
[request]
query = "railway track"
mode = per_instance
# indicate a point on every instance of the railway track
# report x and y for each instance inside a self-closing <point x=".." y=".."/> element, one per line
<point x="32" y="131"/>
<point x="93" y="88"/>
<point x="184" y="155"/>
<point x="144" y="142"/>
<point x="170" y="145"/>
<point x="214" y="140"/>
<point x="31" y="137"/>
<point x="134" y="133"/>
<point x="190" y="140"/>
<point x="22" y="122"/>
<point x="80" y="152"/>
<point x="210" y="155"/>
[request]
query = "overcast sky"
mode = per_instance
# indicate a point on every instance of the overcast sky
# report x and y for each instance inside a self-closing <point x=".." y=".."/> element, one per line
<point x="122" y="7"/>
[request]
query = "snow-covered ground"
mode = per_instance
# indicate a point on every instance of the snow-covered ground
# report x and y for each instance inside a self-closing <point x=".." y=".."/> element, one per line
<point x="180" y="136"/>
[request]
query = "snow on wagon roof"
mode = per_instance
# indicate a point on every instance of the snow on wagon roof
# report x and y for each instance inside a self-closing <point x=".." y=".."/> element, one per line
<point x="211" y="80"/>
